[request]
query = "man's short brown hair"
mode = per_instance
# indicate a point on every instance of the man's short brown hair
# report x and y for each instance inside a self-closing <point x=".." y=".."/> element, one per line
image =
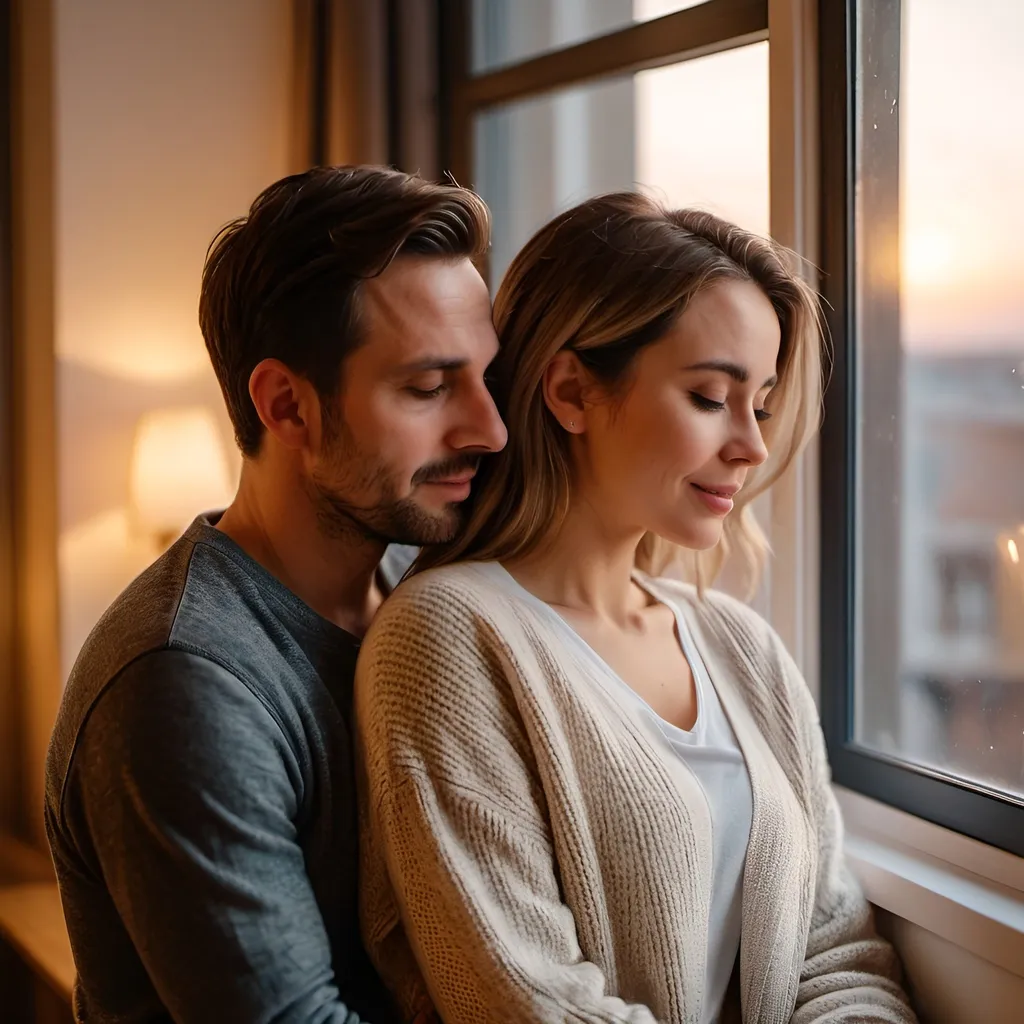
<point x="283" y="281"/>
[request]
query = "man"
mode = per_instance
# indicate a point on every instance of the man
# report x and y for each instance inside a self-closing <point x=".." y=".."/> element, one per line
<point x="200" y="803"/>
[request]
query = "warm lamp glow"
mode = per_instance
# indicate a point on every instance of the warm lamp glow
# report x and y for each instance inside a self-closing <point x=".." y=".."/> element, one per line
<point x="178" y="470"/>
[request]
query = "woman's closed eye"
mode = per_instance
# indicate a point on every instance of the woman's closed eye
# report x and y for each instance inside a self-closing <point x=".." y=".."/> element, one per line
<point x="705" y="404"/>
<point x="710" y="405"/>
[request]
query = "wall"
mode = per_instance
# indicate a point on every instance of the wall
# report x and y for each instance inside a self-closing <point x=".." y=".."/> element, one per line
<point x="138" y="130"/>
<point x="170" y="117"/>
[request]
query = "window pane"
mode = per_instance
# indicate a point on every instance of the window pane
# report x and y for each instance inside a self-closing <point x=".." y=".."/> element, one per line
<point x="509" y="31"/>
<point x="940" y="218"/>
<point x="691" y="134"/>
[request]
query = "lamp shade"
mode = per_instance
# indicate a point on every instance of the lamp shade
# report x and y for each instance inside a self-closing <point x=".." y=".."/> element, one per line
<point x="178" y="470"/>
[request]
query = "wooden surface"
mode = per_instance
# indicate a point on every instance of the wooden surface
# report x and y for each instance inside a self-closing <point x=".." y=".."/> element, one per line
<point x="32" y="923"/>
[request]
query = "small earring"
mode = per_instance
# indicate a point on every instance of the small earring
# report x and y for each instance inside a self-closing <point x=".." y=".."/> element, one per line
<point x="572" y="424"/>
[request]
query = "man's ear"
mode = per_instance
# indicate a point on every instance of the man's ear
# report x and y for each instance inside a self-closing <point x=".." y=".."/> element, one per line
<point x="286" y="403"/>
<point x="566" y="384"/>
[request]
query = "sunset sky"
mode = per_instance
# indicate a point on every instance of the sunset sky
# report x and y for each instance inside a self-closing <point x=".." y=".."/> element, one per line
<point x="702" y="139"/>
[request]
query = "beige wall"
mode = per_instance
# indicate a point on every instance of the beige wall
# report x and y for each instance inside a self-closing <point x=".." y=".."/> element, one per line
<point x="170" y="116"/>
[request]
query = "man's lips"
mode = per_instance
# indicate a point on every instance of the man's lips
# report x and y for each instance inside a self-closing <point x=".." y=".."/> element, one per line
<point x="453" y="481"/>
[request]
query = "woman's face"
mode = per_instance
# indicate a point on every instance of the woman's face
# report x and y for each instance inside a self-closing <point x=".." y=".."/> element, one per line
<point x="669" y="455"/>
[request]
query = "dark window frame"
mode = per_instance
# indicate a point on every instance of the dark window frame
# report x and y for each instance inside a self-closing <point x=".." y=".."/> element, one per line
<point x="944" y="799"/>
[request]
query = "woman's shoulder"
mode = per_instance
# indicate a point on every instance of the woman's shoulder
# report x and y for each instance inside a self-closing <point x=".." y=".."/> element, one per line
<point x="452" y="600"/>
<point x="735" y="615"/>
<point x="738" y="631"/>
<point x="464" y="585"/>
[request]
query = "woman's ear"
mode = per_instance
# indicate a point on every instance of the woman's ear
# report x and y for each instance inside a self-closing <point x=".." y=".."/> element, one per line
<point x="566" y="381"/>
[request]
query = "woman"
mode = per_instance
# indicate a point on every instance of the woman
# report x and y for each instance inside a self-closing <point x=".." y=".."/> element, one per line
<point x="594" y="793"/>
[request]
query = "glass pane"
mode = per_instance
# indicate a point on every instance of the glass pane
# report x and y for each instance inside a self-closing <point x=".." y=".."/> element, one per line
<point x="536" y="158"/>
<point x="509" y="31"/>
<point x="940" y="218"/>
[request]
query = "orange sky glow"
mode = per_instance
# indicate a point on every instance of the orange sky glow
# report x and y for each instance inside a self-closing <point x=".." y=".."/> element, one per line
<point x="702" y="139"/>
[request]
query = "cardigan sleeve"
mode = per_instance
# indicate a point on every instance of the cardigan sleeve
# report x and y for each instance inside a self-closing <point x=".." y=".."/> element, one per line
<point x="456" y="813"/>
<point x="850" y="974"/>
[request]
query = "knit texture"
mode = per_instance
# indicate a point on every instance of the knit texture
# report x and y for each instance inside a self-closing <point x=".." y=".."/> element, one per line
<point x="531" y="852"/>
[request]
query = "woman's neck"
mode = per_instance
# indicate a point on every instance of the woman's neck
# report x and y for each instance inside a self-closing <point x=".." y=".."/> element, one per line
<point x="584" y="566"/>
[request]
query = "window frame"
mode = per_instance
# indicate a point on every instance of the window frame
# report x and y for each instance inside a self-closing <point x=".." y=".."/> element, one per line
<point x="710" y="27"/>
<point x="942" y="798"/>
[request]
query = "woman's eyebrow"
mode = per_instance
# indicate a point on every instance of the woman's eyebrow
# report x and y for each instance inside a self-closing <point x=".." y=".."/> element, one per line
<point x="740" y="374"/>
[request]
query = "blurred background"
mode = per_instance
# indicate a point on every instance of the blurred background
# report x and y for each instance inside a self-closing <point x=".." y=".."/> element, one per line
<point x="879" y="139"/>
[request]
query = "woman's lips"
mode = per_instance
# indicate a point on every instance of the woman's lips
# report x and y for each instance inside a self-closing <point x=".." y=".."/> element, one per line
<point x="717" y="500"/>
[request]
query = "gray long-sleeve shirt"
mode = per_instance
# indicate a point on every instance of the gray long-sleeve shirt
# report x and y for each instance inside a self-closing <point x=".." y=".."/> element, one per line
<point x="200" y="802"/>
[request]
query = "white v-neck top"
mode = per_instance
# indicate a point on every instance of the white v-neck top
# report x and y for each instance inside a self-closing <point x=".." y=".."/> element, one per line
<point x="711" y="752"/>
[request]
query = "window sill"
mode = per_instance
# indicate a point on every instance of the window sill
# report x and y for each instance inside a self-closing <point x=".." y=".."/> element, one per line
<point x="962" y="890"/>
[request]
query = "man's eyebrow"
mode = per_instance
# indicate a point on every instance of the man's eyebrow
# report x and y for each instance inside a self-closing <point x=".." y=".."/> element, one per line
<point x="432" y="363"/>
<point x="740" y="374"/>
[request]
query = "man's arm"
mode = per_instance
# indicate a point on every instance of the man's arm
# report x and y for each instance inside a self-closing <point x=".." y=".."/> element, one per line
<point x="188" y="792"/>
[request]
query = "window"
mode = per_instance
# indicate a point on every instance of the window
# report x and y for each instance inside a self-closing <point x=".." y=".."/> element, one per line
<point x="510" y="31"/>
<point x="532" y="76"/>
<point x="653" y="130"/>
<point x="922" y="470"/>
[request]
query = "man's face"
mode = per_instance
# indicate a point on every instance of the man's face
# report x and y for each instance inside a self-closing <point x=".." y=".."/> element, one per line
<point x="413" y="416"/>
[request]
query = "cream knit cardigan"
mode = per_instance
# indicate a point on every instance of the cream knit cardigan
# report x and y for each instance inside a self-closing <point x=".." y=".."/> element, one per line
<point x="532" y="853"/>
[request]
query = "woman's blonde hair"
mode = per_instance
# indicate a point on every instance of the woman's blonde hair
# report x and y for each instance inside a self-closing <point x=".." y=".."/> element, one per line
<point x="606" y="279"/>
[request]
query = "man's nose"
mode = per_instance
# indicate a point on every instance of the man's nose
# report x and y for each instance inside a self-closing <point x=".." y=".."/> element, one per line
<point x="479" y="424"/>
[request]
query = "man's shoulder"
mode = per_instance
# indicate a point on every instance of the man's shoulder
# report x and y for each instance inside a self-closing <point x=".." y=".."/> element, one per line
<point x="395" y="563"/>
<point x="193" y="614"/>
<point x="192" y="598"/>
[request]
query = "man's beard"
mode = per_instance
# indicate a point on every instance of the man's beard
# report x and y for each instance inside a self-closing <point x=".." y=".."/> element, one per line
<point x="391" y="519"/>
